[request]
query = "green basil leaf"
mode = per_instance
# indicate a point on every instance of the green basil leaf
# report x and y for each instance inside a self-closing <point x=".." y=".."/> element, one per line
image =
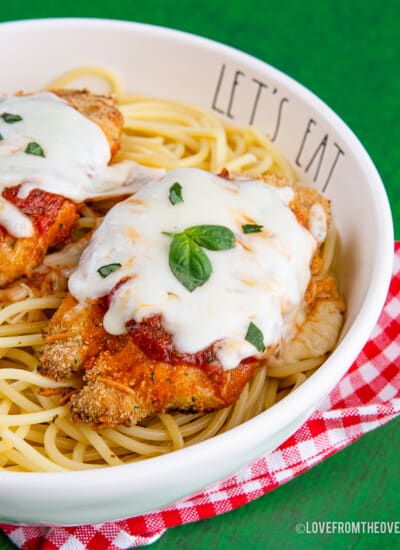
<point x="175" y="193"/>
<point x="255" y="337"/>
<point x="212" y="237"/>
<point x="1" y="137"/>
<point x="34" y="148"/>
<point x="252" y="228"/>
<point x="105" y="270"/>
<point x="10" y="118"/>
<point x="188" y="262"/>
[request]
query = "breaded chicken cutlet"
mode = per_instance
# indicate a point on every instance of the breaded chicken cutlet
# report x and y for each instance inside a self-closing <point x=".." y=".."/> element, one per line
<point x="52" y="215"/>
<point x="124" y="384"/>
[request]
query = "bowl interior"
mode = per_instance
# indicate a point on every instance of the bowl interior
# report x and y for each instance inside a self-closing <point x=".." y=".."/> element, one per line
<point x="158" y="62"/>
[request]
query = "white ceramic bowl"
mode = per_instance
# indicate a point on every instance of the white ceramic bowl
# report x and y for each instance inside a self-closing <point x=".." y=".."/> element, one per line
<point x="156" y="61"/>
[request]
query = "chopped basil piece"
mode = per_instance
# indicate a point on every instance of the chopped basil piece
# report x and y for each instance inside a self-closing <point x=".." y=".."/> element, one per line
<point x="252" y="228"/>
<point x="175" y="193"/>
<point x="34" y="148"/>
<point x="105" y="270"/>
<point x="255" y="337"/>
<point x="187" y="260"/>
<point x="1" y="137"/>
<point x="10" y="118"/>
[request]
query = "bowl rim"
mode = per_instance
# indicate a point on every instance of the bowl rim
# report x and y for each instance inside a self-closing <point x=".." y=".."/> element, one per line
<point x="344" y="354"/>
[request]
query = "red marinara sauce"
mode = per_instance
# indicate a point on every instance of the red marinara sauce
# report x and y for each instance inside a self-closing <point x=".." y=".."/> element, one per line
<point x="157" y="343"/>
<point x="40" y="206"/>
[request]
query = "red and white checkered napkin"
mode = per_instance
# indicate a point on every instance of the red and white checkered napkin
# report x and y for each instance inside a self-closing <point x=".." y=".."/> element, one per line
<point x="366" y="398"/>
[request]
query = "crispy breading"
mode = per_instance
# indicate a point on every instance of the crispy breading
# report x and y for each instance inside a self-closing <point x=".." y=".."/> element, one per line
<point x="304" y="198"/>
<point x="101" y="109"/>
<point x="73" y="337"/>
<point x="123" y="385"/>
<point x="19" y="257"/>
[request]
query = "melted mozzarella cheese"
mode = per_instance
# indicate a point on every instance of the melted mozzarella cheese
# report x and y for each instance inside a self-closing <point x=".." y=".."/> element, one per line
<point x="76" y="158"/>
<point x="262" y="279"/>
<point x="318" y="222"/>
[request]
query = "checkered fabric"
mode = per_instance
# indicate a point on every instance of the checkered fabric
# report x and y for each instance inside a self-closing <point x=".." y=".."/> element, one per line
<point x="366" y="398"/>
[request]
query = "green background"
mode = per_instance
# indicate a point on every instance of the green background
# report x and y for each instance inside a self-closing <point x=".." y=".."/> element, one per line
<point x="348" y="53"/>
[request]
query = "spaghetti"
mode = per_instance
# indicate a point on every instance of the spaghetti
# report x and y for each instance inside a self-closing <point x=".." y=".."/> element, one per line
<point x="36" y="433"/>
